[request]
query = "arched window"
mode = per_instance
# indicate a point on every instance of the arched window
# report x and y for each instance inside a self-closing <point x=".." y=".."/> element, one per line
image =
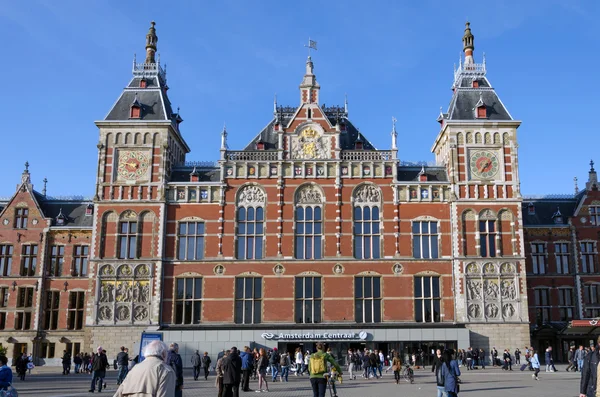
<point x="250" y="223"/>
<point x="308" y="223"/>
<point x="367" y="233"/>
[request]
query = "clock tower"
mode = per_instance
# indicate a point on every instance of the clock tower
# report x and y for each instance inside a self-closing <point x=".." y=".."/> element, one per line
<point x="140" y="142"/>
<point x="477" y="143"/>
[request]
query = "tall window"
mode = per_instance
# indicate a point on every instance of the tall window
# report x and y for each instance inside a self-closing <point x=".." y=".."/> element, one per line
<point x="21" y="216"/>
<point x="248" y="296"/>
<point x="75" y="310"/>
<point x="57" y="257"/>
<point x="24" y="306"/>
<point x="128" y="240"/>
<point x="366" y="233"/>
<point x="588" y="254"/>
<point x="51" y="312"/>
<point x="3" y="304"/>
<point x="309" y="232"/>
<point x="188" y="301"/>
<point x="538" y="258"/>
<point x="427" y="299"/>
<point x="565" y="303"/>
<point x="73" y="348"/>
<point x="367" y="299"/>
<point x="6" y="252"/>
<point x="594" y="215"/>
<point x="487" y="238"/>
<point x="542" y="303"/>
<point x="190" y="238"/>
<point x="80" y="260"/>
<point x="250" y="232"/>
<point x="28" y="260"/>
<point x="561" y="252"/>
<point x="47" y="350"/>
<point x="425" y="240"/>
<point x="308" y="300"/>
<point x="591" y="294"/>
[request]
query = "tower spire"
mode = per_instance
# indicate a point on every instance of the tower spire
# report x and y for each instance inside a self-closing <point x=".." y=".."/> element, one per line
<point x="468" y="44"/>
<point x="151" y="40"/>
<point x="592" y="183"/>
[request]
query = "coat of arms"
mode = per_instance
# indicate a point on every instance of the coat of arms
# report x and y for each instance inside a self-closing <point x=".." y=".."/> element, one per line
<point x="309" y="145"/>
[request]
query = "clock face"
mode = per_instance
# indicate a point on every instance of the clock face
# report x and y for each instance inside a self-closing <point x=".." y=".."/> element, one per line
<point x="484" y="164"/>
<point x="133" y="165"/>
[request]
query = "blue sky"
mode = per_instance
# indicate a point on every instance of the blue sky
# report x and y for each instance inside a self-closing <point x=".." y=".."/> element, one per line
<point x="65" y="63"/>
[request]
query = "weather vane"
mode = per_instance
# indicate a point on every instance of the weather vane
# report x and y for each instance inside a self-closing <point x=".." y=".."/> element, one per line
<point x="311" y="44"/>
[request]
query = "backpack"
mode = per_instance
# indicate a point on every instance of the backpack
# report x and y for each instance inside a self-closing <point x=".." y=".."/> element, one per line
<point x="353" y="359"/>
<point x="317" y="364"/>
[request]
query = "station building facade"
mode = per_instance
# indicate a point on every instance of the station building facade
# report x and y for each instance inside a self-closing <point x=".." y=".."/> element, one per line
<point x="308" y="233"/>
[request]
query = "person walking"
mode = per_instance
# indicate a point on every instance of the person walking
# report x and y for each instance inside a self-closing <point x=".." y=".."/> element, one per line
<point x="247" y="365"/>
<point x="365" y="364"/>
<point x="380" y="363"/>
<point x="262" y="364"/>
<point x="206" y="364"/>
<point x="122" y="365"/>
<point x="396" y="367"/>
<point x="317" y="367"/>
<point x="78" y="360"/>
<point x="482" y="358"/>
<point x="469" y="359"/>
<point x="219" y="374"/>
<point x="507" y="360"/>
<point x="571" y="359"/>
<point x="352" y="360"/>
<point x="30" y="365"/>
<point x="517" y="356"/>
<point x="284" y="362"/>
<point x="299" y="360"/>
<point x="6" y="374"/>
<point x="174" y="360"/>
<point x="373" y="364"/>
<point x="274" y="361"/>
<point x="494" y="356"/>
<point x="436" y="360"/>
<point x="99" y="363"/>
<point x="535" y="364"/>
<point x="66" y="362"/>
<point x="196" y="361"/>
<point x="579" y="356"/>
<point x="232" y="373"/>
<point x="589" y="375"/>
<point x="548" y="358"/>
<point x="151" y="377"/>
<point x="450" y="373"/>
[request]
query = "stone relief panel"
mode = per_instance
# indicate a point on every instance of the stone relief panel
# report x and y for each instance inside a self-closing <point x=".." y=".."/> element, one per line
<point x="310" y="144"/>
<point x="309" y="194"/>
<point x="367" y="194"/>
<point x="491" y="295"/>
<point x="251" y="195"/>
<point x="124" y="294"/>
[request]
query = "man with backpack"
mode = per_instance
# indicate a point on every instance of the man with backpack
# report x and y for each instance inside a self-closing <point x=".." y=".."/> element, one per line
<point x="284" y="363"/>
<point x="174" y="361"/>
<point x="317" y="366"/>
<point x="99" y="364"/>
<point x="274" y="362"/>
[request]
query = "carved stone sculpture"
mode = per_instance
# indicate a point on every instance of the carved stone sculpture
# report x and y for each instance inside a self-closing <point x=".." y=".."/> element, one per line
<point x="491" y="310"/>
<point x="105" y="313"/>
<point x="508" y="310"/>
<point x="490" y="289"/>
<point x="473" y="289"/>
<point x="489" y="268"/>
<point x="367" y="194"/>
<point x="251" y="195"/>
<point x="107" y="292"/>
<point x="472" y="268"/>
<point x="140" y="313"/>
<point x="507" y="268"/>
<point x="123" y="313"/>
<point x="508" y="289"/>
<point x="309" y="195"/>
<point x="474" y="310"/>
<point x="124" y="291"/>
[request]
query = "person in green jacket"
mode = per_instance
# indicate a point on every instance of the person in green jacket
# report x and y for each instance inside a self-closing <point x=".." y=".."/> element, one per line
<point x="317" y="365"/>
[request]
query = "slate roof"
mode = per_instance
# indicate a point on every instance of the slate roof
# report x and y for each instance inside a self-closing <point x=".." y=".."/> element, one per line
<point x="465" y="98"/>
<point x="72" y="209"/>
<point x="545" y="210"/>
<point x="434" y="174"/>
<point x="285" y="114"/>
<point x="182" y="174"/>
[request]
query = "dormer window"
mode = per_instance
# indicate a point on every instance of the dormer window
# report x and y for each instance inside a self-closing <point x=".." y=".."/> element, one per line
<point x="136" y="112"/>
<point x="557" y="217"/>
<point x="89" y="210"/>
<point x="475" y="84"/>
<point x="260" y="145"/>
<point x="481" y="112"/>
<point x="143" y="83"/>
<point x="358" y="145"/>
<point x="531" y="209"/>
<point x="309" y="114"/>
<point x="422" y="175"/>
<point x="61" y="218"/>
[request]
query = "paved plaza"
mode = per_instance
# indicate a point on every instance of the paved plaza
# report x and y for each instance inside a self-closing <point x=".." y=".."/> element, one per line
<point x="48" y="382"/>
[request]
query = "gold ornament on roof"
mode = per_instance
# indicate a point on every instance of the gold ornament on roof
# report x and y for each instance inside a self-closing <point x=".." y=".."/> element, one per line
<point x="309" y="133"/>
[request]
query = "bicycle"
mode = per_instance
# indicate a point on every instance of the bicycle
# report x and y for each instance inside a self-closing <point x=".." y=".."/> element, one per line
<point x="408" y="374"/>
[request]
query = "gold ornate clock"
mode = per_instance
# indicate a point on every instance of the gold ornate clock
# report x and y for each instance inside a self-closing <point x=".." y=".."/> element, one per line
<point x="484" y="164"/>
<point x="133" y="165"/>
